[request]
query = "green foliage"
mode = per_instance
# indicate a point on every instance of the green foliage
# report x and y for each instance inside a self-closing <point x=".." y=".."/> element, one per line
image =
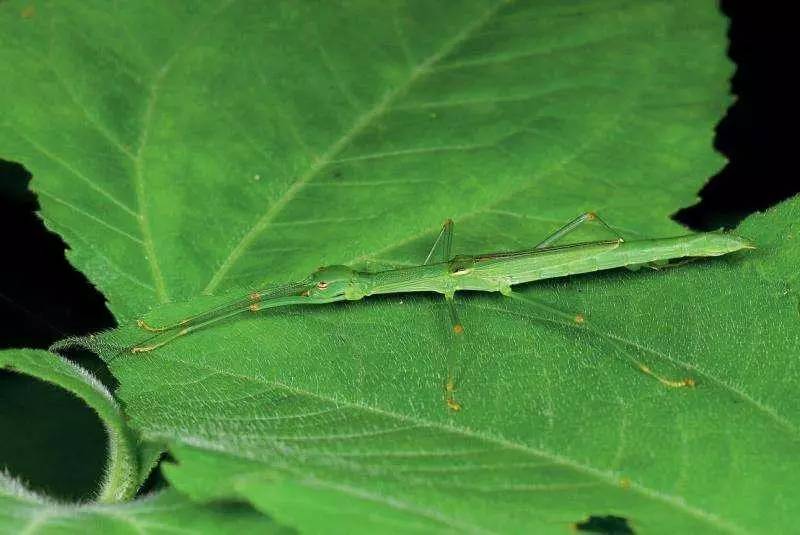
<point x="56" y="442"/>
<point x="190" y="148"/>
<point x="123" y="476"/>
<point x="22" y="511"/>
<point x="128" y="465"/>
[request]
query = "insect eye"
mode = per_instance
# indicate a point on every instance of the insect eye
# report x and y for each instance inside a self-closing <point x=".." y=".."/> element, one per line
<point x="322" y="285"/>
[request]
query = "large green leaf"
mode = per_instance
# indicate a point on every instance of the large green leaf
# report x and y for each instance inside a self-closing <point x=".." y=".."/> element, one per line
<point x="181" y="147"/>
<point x="338" y="410"/>
<point x="22" y="511"/>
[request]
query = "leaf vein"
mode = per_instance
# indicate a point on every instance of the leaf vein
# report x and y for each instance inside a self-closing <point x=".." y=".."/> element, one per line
<point x="361" y="123"/>
<point x="88" y="215"/>
<point x="605" y="476"/>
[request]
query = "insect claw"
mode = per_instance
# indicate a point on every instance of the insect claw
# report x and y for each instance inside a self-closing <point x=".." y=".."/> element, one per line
<point x="449" y="389"/>
<point x="143" y="325"/>
<point x="687" y="382"/>
<point x="676" y="384"/>
<point x="453" y="405"/>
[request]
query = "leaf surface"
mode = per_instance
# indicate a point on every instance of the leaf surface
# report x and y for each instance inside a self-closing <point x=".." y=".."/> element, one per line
<point x="339" y="409"/>
<point x="221" y="147"/>
<point x="193" y="147"/>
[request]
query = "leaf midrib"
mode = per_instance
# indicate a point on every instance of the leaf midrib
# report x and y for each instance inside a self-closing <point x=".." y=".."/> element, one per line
<point x="138" y="162"/>
<point x="360" y="124"/>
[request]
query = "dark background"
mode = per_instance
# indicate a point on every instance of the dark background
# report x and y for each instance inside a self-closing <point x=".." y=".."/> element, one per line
<point x="57" y="444"/>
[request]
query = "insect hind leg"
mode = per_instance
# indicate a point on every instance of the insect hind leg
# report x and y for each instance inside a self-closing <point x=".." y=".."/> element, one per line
<point x="579" y="321"/>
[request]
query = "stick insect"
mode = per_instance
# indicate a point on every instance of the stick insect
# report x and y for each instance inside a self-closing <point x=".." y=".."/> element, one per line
<point x="445" y="274"/>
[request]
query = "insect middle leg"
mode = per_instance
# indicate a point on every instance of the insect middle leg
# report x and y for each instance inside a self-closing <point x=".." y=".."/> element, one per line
<point x="441" y="251"/>
<point x="457" y="336"/>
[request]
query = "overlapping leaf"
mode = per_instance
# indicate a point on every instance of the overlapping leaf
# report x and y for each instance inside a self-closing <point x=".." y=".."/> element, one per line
<point x="124" y="468"/>
<point x="22" y="511"/>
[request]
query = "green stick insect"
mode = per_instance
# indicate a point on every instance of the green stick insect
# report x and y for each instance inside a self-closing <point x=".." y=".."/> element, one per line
<point x="446" y="274"/>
